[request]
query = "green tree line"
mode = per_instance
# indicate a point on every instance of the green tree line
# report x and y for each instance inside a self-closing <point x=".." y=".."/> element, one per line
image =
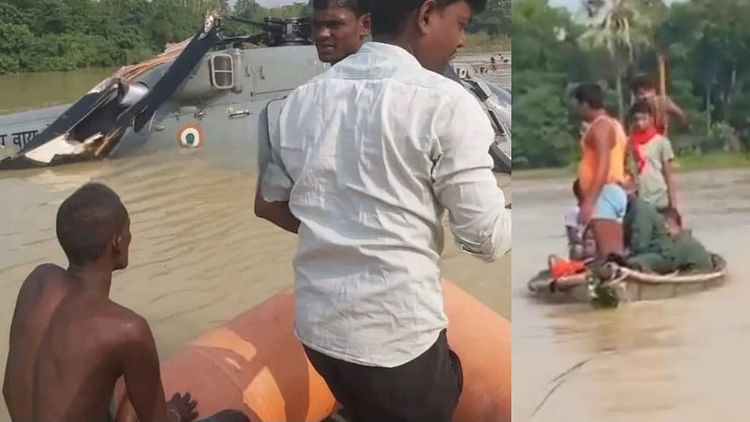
<point x="703" y="44"/>
<point x="61" y="35"/>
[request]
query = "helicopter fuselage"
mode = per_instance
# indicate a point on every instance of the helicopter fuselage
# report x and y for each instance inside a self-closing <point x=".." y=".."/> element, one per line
<point x="219" y="109"/>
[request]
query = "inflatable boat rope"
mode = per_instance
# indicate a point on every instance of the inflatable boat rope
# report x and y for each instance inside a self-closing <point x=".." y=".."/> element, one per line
<point x="624" y="274"/>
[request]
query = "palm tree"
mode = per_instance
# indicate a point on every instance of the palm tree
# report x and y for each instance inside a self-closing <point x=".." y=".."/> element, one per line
<point x="657" y="12"/>
<point x="619" y="27"/>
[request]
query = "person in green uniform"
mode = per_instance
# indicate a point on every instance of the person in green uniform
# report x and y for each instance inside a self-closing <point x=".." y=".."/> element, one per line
<point x="689" y="253"/>
<point x="649" y="246"/>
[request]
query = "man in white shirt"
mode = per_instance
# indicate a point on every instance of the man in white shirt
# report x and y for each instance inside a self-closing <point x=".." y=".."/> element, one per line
<point x="364" y="162"/>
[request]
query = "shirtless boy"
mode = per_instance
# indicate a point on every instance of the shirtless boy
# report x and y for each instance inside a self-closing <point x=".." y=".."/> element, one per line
<point x="69" y="343"/>
<point x="645" y="90"/>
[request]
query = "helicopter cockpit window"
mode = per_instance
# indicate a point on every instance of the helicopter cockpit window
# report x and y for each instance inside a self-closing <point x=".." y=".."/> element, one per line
<point x="222" y="71"/>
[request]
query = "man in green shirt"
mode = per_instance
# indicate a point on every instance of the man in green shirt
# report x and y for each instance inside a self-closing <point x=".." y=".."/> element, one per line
<point x="689" y="253"/>
<point x="650" y="248"/>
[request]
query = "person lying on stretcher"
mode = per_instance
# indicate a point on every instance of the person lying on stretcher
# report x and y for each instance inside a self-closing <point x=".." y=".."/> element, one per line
<point x="690" y="254"/>
<point x="650" y="248"/>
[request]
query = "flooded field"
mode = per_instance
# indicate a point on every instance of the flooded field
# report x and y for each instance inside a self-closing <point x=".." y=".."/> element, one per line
<point x="678" y="360"/>
<point x="199" y="256"/>
<point x="482" y="64"/>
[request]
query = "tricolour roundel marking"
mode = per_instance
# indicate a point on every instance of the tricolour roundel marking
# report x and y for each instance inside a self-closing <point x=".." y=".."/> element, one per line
<point x="190" y="135"/>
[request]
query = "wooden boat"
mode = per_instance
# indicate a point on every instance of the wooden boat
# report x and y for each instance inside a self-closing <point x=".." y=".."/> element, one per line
<point x="628" y="284"/>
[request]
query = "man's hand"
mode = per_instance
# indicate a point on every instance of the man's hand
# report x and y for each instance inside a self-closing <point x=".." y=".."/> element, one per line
<point x="277" y="213"/>
<point x="182" y="408"/>
<point x="675" y="110"/>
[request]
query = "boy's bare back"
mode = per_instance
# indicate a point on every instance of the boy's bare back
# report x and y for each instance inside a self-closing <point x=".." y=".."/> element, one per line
<point x="70" y="344"/>
<point x="66" y="349"/>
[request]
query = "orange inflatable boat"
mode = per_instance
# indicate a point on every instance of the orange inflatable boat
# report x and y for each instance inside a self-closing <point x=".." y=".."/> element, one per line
<point x="255" y="364"/>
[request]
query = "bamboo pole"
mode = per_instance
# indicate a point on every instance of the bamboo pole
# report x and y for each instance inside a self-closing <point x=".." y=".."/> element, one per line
<point x="662" y="74"/>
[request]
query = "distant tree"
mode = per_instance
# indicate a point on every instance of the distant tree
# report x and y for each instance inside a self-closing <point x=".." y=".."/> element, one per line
<point x="495" y="20"/>
<point x="245" y="8"/>
<point x="618" y="27"/>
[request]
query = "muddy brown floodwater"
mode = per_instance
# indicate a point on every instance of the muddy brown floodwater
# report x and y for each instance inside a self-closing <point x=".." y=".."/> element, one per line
<point x="678" y="360"/>
<point x="199" y="256"/>
<point x="27" y="91"/>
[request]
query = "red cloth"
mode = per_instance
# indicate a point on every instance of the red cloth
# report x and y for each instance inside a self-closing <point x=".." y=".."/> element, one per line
<point x="563" y="267"/>
<point x="640" y="138"/>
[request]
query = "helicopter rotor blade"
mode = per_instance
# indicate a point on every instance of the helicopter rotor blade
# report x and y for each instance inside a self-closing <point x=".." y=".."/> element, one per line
<point x="142" y="111"/>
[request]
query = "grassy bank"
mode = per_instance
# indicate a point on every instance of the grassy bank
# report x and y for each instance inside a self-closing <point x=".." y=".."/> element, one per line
<point x="713" y="161"/>
<point x="688" y="163"/>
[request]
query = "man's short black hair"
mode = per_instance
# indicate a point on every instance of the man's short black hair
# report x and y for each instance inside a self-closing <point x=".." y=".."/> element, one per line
<point x="641" y="107"/>
<point x="591" y="94"/>
<point x="359" y="7"/>
<point x="389" y="16"/>
<point x="642" y="82"/>
<point x="672" y="214"/>
<point x="88" y="220"/>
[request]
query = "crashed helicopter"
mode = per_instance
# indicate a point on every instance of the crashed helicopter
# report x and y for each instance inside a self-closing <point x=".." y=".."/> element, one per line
<point x="208" y="93"/>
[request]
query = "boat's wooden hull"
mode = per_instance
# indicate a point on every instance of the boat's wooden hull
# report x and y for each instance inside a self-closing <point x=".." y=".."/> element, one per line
<point x="632" y="288"/>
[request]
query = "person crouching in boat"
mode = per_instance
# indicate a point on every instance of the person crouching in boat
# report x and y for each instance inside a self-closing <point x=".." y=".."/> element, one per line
<point x="689" y="253"/>
<point x="70" y="343"/>
<point x="581" y="244"/>
<point x="653" y="155"/>
<point x="649" y="246"/>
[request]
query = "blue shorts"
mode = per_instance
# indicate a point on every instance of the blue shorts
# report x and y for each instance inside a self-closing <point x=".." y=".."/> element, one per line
<point x="611" y="203"/>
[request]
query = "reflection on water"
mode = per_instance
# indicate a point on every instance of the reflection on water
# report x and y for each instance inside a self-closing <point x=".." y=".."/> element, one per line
<point x="681" y="359"/>
<point x="198" y="257"/>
